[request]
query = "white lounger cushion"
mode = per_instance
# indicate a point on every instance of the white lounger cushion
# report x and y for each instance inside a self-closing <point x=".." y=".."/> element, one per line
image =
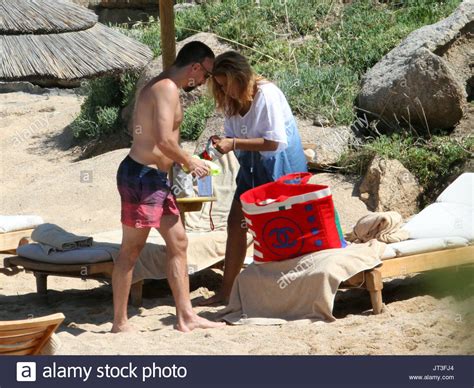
<point x="442" y="220"/>
<point x="460" y="191"/>
<point x="13" y="223"/>
<point x="413" y="247"/>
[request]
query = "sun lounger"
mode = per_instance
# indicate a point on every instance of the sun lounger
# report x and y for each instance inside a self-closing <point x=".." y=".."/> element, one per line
<point x="9" y="241"/>
<point x="14" y="228"/>
<point x="440" y="236"/>
<point x="27" y="336"/>
<point x="372" y="280"/>
<point x="447" y="223"/>
<point x="205" y="250"/>
<point x="97" y="271"/>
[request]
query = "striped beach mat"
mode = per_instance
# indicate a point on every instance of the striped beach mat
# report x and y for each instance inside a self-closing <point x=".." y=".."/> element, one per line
<point x="290" y="217"/>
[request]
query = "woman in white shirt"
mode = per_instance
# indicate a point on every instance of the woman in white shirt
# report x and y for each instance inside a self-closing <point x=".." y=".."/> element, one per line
<point x="261" y="129"/>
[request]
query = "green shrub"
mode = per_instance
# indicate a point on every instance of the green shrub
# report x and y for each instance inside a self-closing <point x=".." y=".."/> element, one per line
<point x="195" y="118"/>
<point x="100" y="111"/>
<point x="148" y="33"/>
<point x="327" y="91"/>
<point x="128" y="84"/>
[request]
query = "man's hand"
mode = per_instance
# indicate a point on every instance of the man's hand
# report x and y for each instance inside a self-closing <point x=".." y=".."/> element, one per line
<point x="197" y="167"/>
<point x="225" y="145"/>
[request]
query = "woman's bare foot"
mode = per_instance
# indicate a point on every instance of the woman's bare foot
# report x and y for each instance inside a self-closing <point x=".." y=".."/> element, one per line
<point x="197" y="322"/>
<point x="122" y="328"/>
<point x="218" y="298"/>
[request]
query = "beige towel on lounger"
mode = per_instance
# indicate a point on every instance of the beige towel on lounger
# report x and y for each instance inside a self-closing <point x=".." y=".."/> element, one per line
<point x="300" y="288"/>
<point x="383" y="226"/>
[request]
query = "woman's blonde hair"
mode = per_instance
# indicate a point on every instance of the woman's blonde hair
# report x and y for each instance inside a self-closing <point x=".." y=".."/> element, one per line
<point x="239" y="74"/>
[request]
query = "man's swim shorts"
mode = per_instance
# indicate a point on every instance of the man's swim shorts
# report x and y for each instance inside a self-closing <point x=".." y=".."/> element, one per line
<point x="145" y="193"/>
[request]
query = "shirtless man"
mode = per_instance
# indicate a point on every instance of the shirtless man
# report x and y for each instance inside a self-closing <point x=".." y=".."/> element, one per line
<point x="146" y="196"/>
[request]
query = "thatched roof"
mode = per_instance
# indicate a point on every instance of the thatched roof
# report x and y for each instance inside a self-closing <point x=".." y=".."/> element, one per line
<point x="59" y="40"/>
<point x="43" y="17"/>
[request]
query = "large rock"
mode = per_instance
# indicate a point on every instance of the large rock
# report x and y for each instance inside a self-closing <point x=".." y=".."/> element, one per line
<point x="155" y="67"/>
<point x="346" y="201"/>
<point x="327" y="143"/>
<point x="424" y="82"/>
<point x="388" y="185"/>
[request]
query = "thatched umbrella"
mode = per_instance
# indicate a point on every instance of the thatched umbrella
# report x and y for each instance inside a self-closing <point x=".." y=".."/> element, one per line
<point x="46" y="41"/>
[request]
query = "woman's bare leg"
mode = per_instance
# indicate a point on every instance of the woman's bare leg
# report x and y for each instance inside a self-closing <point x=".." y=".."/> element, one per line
<point x="236" y="247"/>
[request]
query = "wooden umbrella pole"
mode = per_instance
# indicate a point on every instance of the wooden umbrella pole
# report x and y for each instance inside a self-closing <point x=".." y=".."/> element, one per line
<point x="168" y="40"/>
<point x="168" y="44"/>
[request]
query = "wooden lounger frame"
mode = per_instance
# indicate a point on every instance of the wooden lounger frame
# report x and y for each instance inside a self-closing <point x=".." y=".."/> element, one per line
<point x="27" y="336"/>
<point x="9" y="241"/>
<point x="98" y="271"/>
<point x="371" y="280"/>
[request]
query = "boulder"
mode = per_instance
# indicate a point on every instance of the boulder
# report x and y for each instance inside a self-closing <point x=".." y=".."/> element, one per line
<point x="388" y="185"/>
<point x="424" y="82"/>
<point x="327" y="143"/>
<point x="343" y="188"/>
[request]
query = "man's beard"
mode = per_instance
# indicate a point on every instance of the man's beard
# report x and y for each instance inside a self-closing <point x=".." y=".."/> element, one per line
<point x="188" y="89"/>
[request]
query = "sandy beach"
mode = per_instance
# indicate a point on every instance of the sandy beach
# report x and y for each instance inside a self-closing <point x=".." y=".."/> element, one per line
<point x="40" y="175"/>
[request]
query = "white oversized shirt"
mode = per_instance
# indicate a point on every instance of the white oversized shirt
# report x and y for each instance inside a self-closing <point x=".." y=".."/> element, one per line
<point x="268" y="118"/>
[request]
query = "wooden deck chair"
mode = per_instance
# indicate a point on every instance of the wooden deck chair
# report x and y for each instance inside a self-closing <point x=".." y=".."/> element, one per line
<point x="9" y="241"/>
<point x="372" y="280"/>
<point x="27" y="336"/>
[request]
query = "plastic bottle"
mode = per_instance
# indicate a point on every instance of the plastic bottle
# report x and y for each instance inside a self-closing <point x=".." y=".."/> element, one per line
<point x="215" y="169"/>
<point x="210" y="152"/>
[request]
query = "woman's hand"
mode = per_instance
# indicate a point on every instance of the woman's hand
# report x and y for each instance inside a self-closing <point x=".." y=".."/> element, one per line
<point x="225" y="145"/>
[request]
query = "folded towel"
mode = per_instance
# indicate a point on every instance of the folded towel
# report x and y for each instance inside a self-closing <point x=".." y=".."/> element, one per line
<point x="54" y="238"/>
<point x="383" y="226"/>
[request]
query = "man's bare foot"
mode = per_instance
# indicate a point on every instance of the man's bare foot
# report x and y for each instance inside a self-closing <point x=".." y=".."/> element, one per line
<point x="218" y="298"/>
<point x="123" y="328"/>
<point x="197" y="322"/>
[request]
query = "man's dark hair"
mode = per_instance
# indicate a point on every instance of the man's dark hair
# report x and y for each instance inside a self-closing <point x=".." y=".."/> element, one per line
<point x="193" y="52"/>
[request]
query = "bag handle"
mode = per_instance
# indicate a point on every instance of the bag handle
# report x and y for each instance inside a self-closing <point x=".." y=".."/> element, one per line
<point x="272" y="200"/>
<point x="303" y="177"/>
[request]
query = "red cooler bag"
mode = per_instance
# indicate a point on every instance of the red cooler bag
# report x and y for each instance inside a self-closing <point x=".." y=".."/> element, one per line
<point x="290" y="217"/>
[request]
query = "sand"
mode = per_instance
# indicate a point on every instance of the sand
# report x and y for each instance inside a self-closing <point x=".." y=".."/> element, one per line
<point x="40" y="175"/>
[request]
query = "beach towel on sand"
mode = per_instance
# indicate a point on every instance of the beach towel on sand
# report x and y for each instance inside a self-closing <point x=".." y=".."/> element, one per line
<point x="383" y="226"/>
<point x="300" y="288"/>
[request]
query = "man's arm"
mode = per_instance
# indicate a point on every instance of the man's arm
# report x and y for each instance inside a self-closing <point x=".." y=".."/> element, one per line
<point x="165" y="102"/>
